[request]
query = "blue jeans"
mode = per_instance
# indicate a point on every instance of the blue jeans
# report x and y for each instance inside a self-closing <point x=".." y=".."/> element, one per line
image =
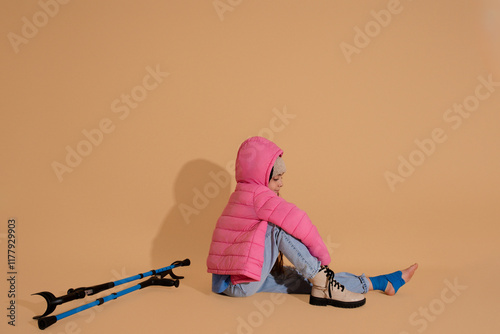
<point x="294" y="279"/>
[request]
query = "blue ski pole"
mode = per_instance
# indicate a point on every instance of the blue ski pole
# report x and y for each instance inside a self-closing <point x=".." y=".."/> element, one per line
<point x="52" y="301"/>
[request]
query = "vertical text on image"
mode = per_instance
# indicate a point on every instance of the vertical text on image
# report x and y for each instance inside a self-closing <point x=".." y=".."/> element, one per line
<point x="12" y="246"/>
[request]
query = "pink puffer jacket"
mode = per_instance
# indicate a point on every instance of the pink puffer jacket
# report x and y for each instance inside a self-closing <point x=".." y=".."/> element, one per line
<point x="237" y="247"/>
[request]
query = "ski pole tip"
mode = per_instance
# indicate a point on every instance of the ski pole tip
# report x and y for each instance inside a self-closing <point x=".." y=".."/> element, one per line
<point x="46" y="322"/>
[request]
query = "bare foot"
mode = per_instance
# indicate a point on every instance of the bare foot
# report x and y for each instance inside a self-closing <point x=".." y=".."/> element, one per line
<point x="407" y="275"/>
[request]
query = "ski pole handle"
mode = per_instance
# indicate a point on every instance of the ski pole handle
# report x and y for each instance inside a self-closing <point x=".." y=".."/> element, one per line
<point x="183" y="263"/>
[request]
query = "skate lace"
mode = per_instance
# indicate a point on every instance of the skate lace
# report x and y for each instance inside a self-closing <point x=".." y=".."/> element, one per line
<point x="332" y="283"/>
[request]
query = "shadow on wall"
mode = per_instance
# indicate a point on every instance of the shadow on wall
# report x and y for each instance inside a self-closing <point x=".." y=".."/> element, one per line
<point x="201" y="193"/>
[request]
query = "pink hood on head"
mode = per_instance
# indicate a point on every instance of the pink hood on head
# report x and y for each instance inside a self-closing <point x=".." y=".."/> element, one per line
<point x="255" y="160"/>
<point x="238" y="240"/>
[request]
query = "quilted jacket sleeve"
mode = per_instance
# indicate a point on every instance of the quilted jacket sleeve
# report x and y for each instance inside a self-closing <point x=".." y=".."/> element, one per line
<point x="274" y="209"/>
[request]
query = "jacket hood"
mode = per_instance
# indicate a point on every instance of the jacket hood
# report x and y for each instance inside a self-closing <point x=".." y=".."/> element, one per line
<point x="255" y="159"/>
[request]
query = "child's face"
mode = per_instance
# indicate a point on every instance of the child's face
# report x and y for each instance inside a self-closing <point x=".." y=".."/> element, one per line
<point x="276" y="183"/>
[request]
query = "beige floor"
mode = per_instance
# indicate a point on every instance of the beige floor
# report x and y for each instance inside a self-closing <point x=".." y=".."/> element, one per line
<point x="440" y="299"/>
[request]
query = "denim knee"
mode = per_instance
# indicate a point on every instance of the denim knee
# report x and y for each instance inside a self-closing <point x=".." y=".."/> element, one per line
<point x="241" y="290"/>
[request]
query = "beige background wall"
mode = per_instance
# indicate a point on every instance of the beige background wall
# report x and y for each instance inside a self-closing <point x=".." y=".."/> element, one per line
<point x="390" y="137"/>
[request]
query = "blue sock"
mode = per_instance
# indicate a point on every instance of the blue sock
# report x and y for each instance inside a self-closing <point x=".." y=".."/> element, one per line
<point x="380" y="282"/>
